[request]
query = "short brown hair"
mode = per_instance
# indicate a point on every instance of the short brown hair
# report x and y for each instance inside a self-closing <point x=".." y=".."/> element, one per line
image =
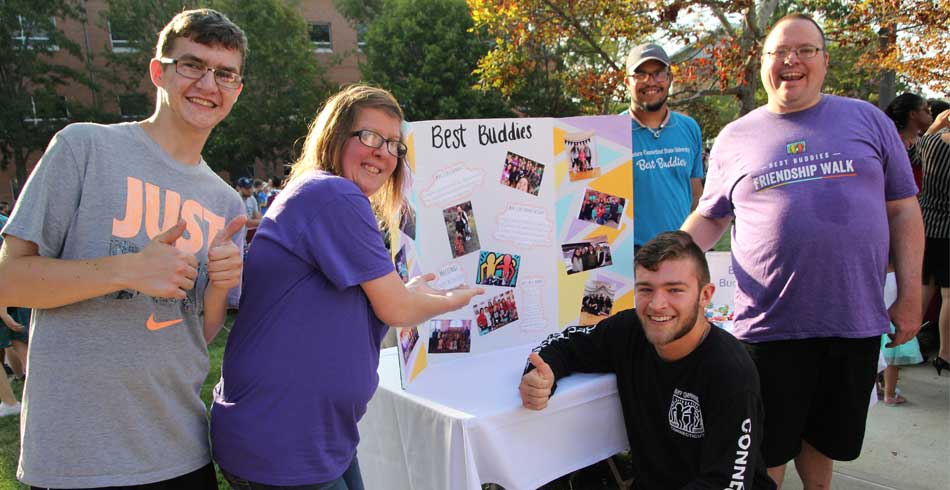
<point x="801" y="16"/>
<point x="673" y="245"/>
<point x="323" y="148"/>
<point x="203" y="26"/>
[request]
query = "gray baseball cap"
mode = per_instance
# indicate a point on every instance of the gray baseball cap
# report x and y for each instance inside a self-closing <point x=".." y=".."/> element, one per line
<point x="644" y="53"/>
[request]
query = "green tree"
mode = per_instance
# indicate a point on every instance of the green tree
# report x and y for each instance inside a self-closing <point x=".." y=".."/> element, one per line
<point x="571" y="52"/>
<point x="424" y="51"/>
<point x="30" y="111"/>
<point x="284" y="87"/>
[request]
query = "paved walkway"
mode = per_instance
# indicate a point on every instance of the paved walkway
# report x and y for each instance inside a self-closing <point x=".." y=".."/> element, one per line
<point x="906" y="447"/>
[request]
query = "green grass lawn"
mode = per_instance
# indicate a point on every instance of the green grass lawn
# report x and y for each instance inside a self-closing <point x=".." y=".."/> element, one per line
<point x="10" y="426"/>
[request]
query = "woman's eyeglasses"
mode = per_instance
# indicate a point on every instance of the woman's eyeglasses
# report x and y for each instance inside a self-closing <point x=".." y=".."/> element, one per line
<point x="373" y="139"/>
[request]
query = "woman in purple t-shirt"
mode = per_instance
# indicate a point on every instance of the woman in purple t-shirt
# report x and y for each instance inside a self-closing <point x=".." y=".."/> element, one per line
<point x="319" y="291"/>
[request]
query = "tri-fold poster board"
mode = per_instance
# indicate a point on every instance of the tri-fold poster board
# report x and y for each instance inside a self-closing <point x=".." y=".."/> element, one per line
<point x="537" y="211"/>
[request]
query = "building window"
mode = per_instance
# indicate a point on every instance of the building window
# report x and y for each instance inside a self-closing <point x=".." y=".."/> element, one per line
<point x="44" y="107"/>
<point x="320" y="39"/>
<point x="29" y="33"/>
<point x="133" y="106"/>
<point x="361" y="36"/>
<point x="119" y="36"/>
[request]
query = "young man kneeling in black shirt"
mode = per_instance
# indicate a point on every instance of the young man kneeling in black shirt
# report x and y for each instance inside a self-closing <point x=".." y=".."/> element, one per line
<point x="689" y="391"/>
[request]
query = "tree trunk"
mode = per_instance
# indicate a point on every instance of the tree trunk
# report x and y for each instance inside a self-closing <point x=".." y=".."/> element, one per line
<point x="887" y="88"/>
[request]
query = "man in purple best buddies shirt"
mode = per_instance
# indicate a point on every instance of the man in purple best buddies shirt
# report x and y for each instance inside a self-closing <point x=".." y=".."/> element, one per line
<point x="820" y="189"/>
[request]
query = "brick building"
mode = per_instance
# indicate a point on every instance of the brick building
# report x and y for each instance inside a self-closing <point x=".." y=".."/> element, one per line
<point x="334" y="41"/>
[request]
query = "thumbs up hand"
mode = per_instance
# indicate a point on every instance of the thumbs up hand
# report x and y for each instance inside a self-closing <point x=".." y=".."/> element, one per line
<point x="536" y="386"/>
<point x="162" y="270"/>
<point x="225" y="259"/>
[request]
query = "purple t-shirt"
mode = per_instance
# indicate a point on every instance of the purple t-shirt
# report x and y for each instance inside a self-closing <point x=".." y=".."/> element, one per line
<point x="300" y="363"/>
<point x="810" y="240"/>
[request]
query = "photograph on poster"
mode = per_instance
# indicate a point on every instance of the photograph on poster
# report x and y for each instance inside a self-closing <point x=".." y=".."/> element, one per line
<point x="407" y="221"/>
<point x="720" y="315"/>
<point x="461" y="230"/>
<point x="584" y="164"/>
<point x="522" y="173"/>
<point x="407" y="341"/>
<point x="598" y="298"/>
<point x="497" y="269"/>
<point x="601" y="208"/>
<point x="496" y="312"/>
<point x="450" y="336"/>
<point x="402" y="266"/>
<point x="586" y="255"/>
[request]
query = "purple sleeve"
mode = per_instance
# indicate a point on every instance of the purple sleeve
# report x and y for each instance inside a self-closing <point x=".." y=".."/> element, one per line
<point x="344" y="242"/>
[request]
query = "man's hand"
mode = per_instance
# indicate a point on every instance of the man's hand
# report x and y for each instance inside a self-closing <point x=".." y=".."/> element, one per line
<point x="9" y="321"/>
<point x="163" y="271"/>
<point x="225" y="259"/>
<point x="536" y="386"/>
<point x="906" y="317"/>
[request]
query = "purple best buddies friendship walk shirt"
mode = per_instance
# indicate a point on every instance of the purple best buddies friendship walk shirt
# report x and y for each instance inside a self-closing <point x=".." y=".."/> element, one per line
<point x="300" y="363"/>
<point x="810" y="240"/>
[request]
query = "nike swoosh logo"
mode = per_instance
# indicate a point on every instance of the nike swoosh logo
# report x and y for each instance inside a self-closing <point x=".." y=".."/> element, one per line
<point x="151" y="324"/>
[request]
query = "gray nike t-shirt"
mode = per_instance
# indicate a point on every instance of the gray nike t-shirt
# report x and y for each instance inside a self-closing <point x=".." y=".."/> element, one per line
<point x="112" y="396"/>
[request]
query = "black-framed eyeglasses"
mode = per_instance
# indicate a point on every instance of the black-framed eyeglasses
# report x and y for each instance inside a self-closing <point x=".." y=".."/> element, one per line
<point x="195" y="70"/>
<point x="373" y="139"/>
<point x="803" y="52"/>
<point x="658" y="76"/>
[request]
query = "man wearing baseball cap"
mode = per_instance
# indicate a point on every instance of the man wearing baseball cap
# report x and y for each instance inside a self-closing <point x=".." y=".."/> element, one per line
<point x="667" y="147"/>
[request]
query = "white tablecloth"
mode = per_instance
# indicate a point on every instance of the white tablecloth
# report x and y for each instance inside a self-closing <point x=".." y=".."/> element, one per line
<point x="465" y="426"/>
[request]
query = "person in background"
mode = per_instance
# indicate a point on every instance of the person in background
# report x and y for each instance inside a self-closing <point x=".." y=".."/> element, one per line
<point x="321" y="289"/>
<point x="10" y="331"/>
<point x="911" y="114"/>
<point x="933" y="151"/>
<point x="245" y="186"/>
<point x="667" y="147"/>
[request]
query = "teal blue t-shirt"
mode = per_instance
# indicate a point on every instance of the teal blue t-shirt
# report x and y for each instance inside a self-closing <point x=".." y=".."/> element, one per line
<point x="664" y="161"/>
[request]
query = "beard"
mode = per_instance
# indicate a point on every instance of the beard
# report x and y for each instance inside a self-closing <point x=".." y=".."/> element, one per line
<point x="654" y="107"/>
<point x="671" y="333"/>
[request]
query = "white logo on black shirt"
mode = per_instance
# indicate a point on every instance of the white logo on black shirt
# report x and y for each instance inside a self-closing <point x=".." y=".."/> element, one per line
<point x="686" y="417"/>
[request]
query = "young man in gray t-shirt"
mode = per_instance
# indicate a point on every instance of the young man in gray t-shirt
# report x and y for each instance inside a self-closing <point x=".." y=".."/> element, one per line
<point x="126" y="243"/>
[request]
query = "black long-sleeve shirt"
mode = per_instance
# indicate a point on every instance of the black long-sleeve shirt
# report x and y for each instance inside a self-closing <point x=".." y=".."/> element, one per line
<point x="692" y="423"/>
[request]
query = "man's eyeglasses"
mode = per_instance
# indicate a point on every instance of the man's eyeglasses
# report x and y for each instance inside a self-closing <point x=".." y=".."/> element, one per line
<point x="658" y="76"/>
<point x="195" y="70"/>
<point x="373" y="139"/>
<point x="803" y="52"/>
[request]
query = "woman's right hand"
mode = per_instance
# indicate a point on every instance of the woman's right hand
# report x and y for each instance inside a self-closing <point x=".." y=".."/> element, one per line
<point x="407" y="305"/>
<point x="460" y="295"/>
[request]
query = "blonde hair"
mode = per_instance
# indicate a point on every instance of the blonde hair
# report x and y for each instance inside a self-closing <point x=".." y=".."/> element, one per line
<point x="328" y="133"/>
